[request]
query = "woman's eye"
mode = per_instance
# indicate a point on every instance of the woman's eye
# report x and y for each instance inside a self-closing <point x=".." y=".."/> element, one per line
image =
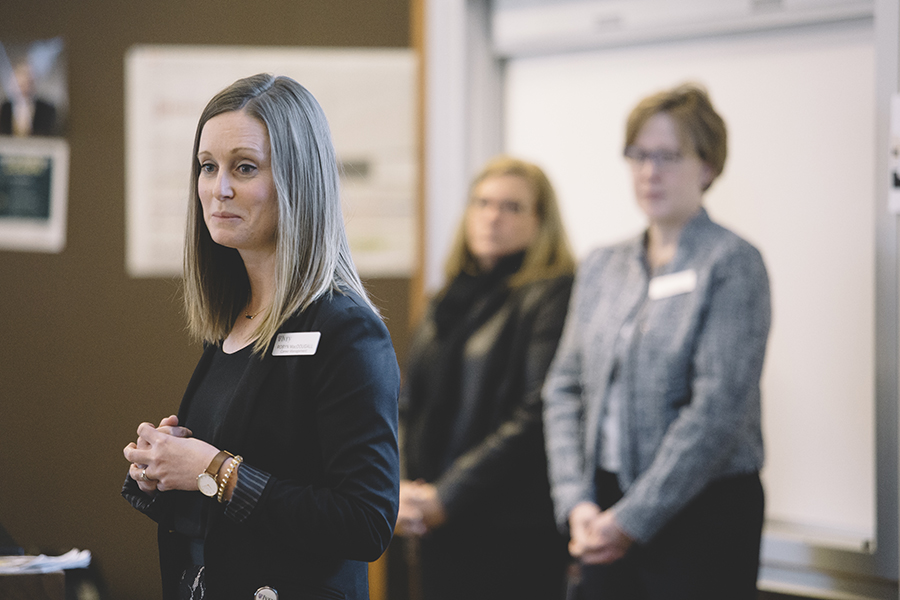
<point x="512" y="208"/>
<point x="246" y="169"/>
<point x="207" y="168"/>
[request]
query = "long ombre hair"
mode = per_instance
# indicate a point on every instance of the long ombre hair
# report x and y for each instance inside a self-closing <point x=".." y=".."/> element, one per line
<point x="549" y="254"/>
<point x="312" y="253"/>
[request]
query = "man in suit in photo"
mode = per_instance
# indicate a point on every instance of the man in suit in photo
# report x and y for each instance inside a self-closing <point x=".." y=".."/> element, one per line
<point x="26" y="114"/>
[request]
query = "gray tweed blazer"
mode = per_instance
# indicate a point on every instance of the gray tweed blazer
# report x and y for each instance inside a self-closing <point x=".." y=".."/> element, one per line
<point x="691" y="380"/>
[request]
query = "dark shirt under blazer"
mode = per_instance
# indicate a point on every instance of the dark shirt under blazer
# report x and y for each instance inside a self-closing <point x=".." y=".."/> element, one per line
<point x="691" y="380"/>
<point x="318" y="435"/>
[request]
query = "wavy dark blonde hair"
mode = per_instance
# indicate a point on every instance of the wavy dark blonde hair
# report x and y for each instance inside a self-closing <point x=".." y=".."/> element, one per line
<point x="549" y="255"/>
<point x="312" y="252"/>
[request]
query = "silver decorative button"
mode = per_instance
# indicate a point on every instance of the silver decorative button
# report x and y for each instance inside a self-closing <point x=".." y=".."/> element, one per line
<point x="266" y="593"/>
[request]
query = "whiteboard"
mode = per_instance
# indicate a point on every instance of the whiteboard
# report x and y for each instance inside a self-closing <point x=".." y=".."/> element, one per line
<point x="798" y="184"/>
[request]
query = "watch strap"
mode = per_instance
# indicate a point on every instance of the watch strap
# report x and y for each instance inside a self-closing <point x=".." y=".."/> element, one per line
<point x="216" y="464"/>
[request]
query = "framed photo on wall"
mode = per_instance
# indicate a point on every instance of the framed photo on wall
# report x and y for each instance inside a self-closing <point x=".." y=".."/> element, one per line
<point x="34" y="174"/>
<point x="34" y="157"/>
<point x="33" y="88"/>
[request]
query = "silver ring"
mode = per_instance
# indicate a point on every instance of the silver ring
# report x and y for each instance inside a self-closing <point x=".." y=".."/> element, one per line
<point x="144" y="475"/>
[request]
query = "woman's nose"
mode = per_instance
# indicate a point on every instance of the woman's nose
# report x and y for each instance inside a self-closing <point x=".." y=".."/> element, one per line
<point x="650" y="166"/>
<point x="223" y="187"/>
<point x="492" y="211"/>
<point x="649" y="169"/>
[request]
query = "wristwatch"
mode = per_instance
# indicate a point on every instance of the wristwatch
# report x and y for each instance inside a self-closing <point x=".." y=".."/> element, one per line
<point x="206" y="480"/>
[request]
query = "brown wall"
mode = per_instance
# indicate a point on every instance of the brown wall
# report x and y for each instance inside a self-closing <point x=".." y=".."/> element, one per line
<point x="86" y="353"/>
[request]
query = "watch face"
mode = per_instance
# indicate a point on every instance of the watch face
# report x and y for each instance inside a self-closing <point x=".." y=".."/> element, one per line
<point x="207" y="484"/>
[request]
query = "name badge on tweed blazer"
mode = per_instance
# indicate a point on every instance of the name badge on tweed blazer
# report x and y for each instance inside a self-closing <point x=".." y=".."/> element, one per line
<point x="301" y="343"/>
<point x="672" y="284"/>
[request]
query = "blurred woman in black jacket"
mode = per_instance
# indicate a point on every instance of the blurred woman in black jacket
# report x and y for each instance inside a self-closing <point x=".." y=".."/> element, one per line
<point x="477" y="488"/>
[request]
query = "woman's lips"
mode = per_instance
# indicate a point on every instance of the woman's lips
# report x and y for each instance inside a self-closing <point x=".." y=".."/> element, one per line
<point x="652" y="195"/>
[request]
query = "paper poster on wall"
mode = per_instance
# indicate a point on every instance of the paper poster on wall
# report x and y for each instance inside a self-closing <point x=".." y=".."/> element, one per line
<point x="368" y="96"/>
<point x="34" y="176"/>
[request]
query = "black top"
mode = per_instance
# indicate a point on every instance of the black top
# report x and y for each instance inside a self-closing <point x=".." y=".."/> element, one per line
<point x="209" y="405"/>
<point x="212" y="398"/>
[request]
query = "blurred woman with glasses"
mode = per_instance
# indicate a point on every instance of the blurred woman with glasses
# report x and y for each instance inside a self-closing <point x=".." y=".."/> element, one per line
<point x="652" y="404"/>
<point x="477" y="490"/>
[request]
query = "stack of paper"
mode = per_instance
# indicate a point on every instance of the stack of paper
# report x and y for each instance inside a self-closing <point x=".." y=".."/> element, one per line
<point x="73" y="559"/>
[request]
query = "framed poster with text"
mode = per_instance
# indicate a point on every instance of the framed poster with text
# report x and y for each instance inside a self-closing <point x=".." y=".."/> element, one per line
<point x="34" y="175"/>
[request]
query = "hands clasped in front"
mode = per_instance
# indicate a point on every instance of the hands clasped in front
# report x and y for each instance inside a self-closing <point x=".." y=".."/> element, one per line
<point x="167" y="457"/>
<point x="596" y="537"/>
<point x="421" y="509"/>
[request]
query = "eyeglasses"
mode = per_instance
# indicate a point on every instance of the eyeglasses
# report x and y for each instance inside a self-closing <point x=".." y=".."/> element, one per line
<point x="661" y="159"/>
<point x="506" y="207"/>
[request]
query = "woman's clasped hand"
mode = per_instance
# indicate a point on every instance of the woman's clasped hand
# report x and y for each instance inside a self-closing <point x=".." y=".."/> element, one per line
<point x="159" y="458"/>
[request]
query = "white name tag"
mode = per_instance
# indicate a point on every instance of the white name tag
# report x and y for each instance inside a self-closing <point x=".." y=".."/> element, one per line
<point x="672" y="284"/>
<point x="301" y="343"/>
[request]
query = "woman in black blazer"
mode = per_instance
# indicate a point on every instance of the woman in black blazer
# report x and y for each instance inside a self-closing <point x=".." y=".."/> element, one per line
<point x="279" y="476"/>
<point x="477" y="488"/>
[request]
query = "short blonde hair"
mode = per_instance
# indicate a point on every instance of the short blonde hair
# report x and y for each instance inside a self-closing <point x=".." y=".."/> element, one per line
<point x="701" y="128"/>
<point x="549" y="255"/>
<point x="312" y="252"/>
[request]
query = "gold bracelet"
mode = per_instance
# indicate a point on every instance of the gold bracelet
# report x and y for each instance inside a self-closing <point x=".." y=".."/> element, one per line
<point x="237" y="460"/>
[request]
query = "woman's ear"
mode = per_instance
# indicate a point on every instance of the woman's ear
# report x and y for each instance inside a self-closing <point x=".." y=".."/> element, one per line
<point x="706" y="177"/>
